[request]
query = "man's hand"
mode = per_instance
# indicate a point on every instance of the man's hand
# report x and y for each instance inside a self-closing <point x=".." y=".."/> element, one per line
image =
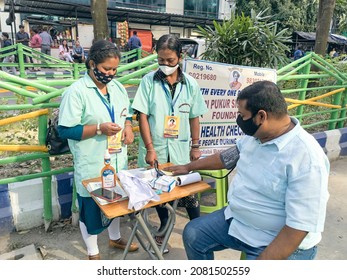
<point x="178" y="169"/>
<point x="286" y="242"/>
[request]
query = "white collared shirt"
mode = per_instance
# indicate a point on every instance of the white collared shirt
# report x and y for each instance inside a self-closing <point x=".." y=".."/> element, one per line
<point x="280" y="182"/>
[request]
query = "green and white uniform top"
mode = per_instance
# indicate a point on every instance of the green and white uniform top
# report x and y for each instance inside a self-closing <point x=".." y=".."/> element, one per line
<point x="83" y="104"/>
<point x="153" y="98"/>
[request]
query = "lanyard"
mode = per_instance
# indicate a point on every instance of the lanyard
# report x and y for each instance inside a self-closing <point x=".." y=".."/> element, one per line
<point x="108" y="106"/>
<point x="171" y="101"/>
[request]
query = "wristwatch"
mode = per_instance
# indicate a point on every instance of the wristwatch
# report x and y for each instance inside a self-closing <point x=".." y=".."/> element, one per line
<point x="98" y="130"/>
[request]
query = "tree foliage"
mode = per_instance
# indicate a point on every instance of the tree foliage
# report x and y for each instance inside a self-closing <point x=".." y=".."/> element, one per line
<point x="340" y="17"/>
<point x="296" y="15"/>
<point x="246" y="40"/>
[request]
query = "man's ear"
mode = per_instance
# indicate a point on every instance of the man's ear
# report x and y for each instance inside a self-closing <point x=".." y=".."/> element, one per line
<point x="262" y="115"/>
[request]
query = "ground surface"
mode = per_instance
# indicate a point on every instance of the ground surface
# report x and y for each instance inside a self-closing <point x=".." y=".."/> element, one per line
<point x="63" y="240"/>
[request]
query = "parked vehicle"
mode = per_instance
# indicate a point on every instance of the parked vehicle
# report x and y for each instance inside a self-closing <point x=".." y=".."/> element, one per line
<point x="193" y="47"/>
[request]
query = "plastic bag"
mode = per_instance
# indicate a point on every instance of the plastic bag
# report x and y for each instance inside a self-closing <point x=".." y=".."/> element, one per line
<point x="139" y="190"/>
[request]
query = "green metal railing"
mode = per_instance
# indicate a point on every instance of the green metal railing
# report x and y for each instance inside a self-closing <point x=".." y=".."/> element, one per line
<point x="68" y="70"/>
<point x="311" y="86"/>
<point x="301" y="86"/>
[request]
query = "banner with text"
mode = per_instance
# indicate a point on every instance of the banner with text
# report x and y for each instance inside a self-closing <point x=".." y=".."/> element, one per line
<point x="220" y="84"/>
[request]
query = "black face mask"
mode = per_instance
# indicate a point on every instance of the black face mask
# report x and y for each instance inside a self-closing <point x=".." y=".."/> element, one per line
<point x="248" y="126"/>
<point x="102" y="77"/>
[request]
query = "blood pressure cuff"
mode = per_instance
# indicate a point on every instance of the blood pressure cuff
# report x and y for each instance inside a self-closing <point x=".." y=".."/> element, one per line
<point x="230" y="157"/>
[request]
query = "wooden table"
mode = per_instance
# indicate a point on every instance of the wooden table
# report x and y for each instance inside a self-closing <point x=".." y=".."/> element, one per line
<point x="120" y="208"/>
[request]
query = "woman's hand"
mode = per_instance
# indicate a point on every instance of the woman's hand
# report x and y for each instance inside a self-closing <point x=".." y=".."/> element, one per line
<point x="128" y="135"/>
<point x="110" y="128"/>
<point x="151" y="156"/>
<point x="195" y="154"/>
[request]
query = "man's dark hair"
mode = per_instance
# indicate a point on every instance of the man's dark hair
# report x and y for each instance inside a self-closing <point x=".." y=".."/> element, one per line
<point x="135" y="32"/>
<point x="170" y="42"/>
<point x="264" y="95"/>
<point x="5" y="34"/>
<point x="21" y="26"/>
<point x="100" y="51"/>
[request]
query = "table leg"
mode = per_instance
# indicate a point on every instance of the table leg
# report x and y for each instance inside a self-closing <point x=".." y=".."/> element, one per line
<point x="145" y="226"/>
<point x="140" y="223"/>
<point x="130" y="239"/>
<point x="149" y="236"/>
<point x="166" y="231"/>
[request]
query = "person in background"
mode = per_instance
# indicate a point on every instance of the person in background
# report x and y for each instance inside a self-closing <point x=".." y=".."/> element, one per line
<point x="78" y="52"/>
<point x="24" y="38"/>
<point x="47" y="41"/>
<point x="276" y="201"/>
<point x="92" y="109"/>
<point x="64" y="52"/>
<point x="332" y="53"/>
<point x="134" y="43"/>
<point x="114" y="41"/>
<point x="35" y="44"/>
<point x="164" y="95"/>
<point x="299" y="53"/>
<point x="10" y="58"/>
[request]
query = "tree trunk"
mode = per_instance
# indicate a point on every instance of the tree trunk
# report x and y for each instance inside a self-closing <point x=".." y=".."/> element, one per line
<point x="325" y="14"/>
<point x="100" y="20"/>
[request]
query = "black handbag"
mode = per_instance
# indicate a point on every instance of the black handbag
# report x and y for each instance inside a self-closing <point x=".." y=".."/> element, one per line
<point x="54" y="143"/>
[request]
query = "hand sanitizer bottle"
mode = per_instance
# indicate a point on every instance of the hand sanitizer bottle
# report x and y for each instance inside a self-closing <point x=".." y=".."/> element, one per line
<point x="108" y="173"/>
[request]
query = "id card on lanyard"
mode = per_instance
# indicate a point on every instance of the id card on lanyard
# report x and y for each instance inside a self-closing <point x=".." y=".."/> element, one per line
<point x="171" y="122"/>
<point x="114" y="142"/>
<point x="171" y="126"/>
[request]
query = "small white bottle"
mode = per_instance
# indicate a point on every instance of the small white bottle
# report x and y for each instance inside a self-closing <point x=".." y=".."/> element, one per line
<point x="108" y="173"/>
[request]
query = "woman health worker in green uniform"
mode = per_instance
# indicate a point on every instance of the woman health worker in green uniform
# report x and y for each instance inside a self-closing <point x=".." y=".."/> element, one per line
<point x="92" y="109"/>
<point x="164" y="97"/>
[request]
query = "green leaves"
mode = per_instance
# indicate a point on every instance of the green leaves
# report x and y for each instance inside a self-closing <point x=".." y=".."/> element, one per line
<point x="248" y="41"/>
<point x="292" y="14"/>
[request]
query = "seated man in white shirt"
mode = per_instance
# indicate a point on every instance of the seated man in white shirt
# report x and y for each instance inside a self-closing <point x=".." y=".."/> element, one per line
<point x="277" y="200"/>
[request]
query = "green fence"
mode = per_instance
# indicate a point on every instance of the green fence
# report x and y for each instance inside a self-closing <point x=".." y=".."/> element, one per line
<point x="317" y="98"/>
<point x="304" y="87"/>
<point x="55" y="67"/>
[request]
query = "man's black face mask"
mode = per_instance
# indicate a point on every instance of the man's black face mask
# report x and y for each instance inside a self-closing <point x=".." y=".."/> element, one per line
<point x="247" y="126"/>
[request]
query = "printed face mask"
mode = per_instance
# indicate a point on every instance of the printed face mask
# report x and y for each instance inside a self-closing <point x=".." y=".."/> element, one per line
<point x="248" y="126"/>
<point x="102" y="77"/>
<point x="168" y="70"/>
